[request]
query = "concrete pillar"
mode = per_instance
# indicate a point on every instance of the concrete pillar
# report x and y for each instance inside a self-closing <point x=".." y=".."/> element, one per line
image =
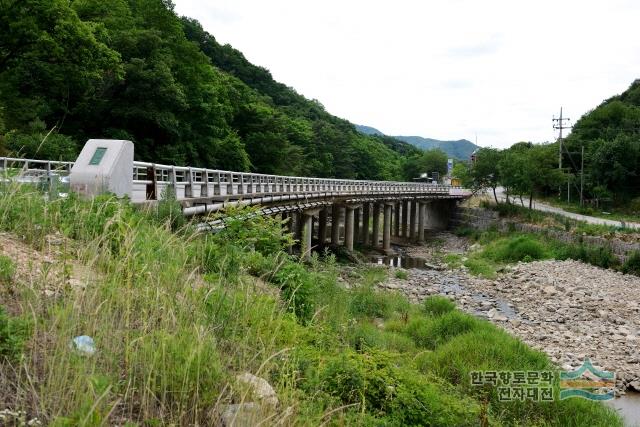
<point x="356" y="224"/>
<point x="307" y="231"/>
<point x="396" y="219"/>
<point x="405" y="219"/>
<point x="386" y="232"/>
<point x="298" y="224"/>
<point x="375" y="235"/>
<point x="412" y="220"/>
<point x="335" y="224"/>
<point x="366" y="213"/>
<point x="348" y="228"/>
<point x="290" y="217"/>
<point x="322" y="226"/>
<point x="421" y="213"/>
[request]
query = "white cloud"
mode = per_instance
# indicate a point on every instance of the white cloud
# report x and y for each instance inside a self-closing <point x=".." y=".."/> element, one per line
<point x="444" y="70"/>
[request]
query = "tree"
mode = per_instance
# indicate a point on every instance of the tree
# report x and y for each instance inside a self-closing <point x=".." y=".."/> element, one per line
<point x="527" y="169"/>
<point x="462" y="171"/>
<point x="426" y="162"/>
<point x="484" y="172"/>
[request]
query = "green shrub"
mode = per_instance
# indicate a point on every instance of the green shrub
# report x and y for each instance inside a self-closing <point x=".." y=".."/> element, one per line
<point x="7" y="269"/>
<point x="437" y="305"/>
<point x="366" y="336"/>
<point x="168" y="210"/>
<point x="480" y="267"/>
<point x="366" y="301"/>
<point x="464" y="231"/>
<point x="366" y="379"/>
<point x="517" y="248"/>
<point x="632" y="264"/>
<point x="453" y="260"/>
<point x="402" y="274"/>
<point x="422" y="401"/>
<point x="13" y="334"/>
<point x="297" y="287"/>
<point x="598" y="256"/>
<point x="432" y="332"/>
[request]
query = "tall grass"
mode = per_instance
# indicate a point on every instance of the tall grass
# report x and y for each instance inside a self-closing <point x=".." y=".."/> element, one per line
<point x="176" y="315"/>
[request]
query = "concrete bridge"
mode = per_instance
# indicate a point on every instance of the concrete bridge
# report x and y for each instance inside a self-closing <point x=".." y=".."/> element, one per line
<point x="324" y="210"/>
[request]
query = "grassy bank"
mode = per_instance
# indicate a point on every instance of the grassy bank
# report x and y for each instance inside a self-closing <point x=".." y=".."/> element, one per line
<point x="495" y="250"/>
<point x="177" y="315"/>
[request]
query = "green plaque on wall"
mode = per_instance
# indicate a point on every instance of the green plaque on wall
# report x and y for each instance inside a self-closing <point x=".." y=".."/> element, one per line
<point x="97" y="156"/>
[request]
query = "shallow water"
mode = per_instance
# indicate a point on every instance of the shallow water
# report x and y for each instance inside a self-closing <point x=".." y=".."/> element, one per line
<point x="400" y="260"/>
<point x="628" y="406"/>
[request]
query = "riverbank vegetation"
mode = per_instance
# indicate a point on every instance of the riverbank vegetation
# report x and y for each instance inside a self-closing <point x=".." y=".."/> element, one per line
<point x="176" y="316"/>
<point x="495" y="250"/>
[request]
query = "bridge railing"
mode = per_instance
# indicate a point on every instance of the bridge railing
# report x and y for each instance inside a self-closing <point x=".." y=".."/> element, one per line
<point x="151" y="181"/>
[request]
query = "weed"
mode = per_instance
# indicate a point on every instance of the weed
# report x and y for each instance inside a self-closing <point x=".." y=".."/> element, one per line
<point x="437" y="305"/>
<point x="401" y="274"/>
<point x="7" y="270"/>
<point x="632" y="264"/>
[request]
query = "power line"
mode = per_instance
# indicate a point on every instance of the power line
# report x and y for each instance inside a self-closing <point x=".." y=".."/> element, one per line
<point x="558" y="123"/>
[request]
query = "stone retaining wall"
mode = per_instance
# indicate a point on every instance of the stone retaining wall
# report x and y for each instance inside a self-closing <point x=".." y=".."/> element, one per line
<point x="483" y="219"/>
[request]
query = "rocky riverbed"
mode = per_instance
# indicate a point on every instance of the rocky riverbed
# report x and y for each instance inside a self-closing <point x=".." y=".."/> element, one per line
<point x="567" y="309"/>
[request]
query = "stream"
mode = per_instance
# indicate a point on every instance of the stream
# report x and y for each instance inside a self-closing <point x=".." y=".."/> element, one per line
<point x="627" y="405"/>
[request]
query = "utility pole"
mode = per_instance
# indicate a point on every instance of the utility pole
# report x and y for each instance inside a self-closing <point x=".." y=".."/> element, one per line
<point x="558" y="123"/>
<point x="582" y="177"/>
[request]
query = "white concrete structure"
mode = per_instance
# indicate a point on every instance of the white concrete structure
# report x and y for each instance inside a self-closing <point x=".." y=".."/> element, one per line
<point x="104" y="165"/>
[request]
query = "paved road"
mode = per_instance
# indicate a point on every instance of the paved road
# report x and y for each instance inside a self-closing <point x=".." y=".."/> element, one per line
<point x="544" y="207"/>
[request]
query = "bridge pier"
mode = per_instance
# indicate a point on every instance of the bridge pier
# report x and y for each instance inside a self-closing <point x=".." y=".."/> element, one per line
<point x="366" y="220"/>
<point x="356" y="224"/>
<point x="422" y="209"/>
<point x="386" y="230"/>
<point x="412" y="220"/>
<point x="335" y="224"/>
<point x="322" y="226"/>
<point x="375" y="234"/>
<point x="348" y="227"/>
<point x="307" y="232"/>
<point x="396" y="219"/>
<point x="405" y="218"/>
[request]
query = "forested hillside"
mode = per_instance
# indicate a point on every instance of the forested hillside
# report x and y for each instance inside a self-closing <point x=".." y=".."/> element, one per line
<point x="133" y="69"/>
<point x="610" y="135"/>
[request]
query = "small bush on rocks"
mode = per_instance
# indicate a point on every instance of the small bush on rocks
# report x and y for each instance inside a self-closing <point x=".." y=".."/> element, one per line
<point x="632" y="264"/>
<point x="13" y="333"/>
<point x="437" y="305"/>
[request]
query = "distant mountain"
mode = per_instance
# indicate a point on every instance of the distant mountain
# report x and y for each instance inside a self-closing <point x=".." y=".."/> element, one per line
<point x="368" y="130"/>
<point x="460" y="149"/>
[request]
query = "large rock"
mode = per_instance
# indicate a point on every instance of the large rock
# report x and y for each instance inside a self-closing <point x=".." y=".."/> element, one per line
<point x="260" y="387"/>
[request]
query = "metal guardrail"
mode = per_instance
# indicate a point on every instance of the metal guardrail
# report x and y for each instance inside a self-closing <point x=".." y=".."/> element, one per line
<point x="151" y="181"/>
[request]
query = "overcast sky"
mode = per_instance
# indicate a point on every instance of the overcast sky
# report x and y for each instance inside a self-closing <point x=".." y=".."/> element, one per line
<point x="441" y="69"/>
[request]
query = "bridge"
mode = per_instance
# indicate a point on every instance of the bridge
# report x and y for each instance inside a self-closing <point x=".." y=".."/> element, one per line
<point x="327" y="210"/>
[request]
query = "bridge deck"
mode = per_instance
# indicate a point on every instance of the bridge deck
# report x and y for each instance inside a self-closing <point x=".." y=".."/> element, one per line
<point x="203" y="190"/>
